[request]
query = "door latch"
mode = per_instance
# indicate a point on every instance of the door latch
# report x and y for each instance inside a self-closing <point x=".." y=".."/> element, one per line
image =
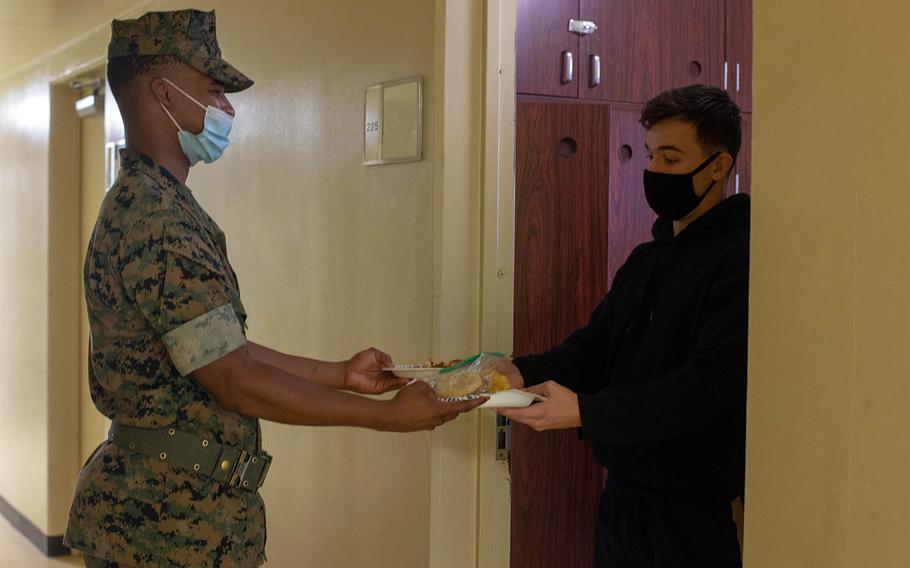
<point x="582" y="27"/>
<point x="503" y="438"/>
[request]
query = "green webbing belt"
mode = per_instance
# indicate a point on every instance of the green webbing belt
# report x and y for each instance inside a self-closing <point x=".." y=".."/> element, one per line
<point x="237" y="468"/>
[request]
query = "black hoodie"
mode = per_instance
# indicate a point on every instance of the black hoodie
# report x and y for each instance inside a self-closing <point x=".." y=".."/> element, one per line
<point x="660" y="369"/>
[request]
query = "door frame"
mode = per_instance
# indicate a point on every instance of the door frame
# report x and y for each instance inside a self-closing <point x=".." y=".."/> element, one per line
<point x="474" y="186"/>
<point x="64" y="281"/>
<point x="498" y="269"/>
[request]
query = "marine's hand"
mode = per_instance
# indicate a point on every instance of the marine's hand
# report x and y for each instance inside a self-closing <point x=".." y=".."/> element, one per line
<point x="416" y="407"/>
<point x="506" y="367"/>
<point x="363" y="373"/>
<point x="558" y="412"/>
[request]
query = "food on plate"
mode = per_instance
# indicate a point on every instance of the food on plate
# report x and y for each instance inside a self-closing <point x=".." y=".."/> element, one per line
<point x="431" y="364"/>
<point x="499" y="382"/>
<point x="458" y="384"/>
<point x="467" y="383"/>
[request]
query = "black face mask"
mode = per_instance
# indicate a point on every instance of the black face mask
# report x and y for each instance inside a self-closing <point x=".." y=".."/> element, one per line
<point x="672" y="196"/>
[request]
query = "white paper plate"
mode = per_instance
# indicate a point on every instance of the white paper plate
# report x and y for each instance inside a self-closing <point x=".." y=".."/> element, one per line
<point x="413" y="371"/>
<point x="512" y="398"/>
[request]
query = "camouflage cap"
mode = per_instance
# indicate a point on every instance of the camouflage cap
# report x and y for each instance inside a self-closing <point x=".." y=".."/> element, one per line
<point x="186" y="34"/>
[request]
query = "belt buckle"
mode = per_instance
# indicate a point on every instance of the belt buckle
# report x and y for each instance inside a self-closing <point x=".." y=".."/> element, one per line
<point x="238" y="475"/>
<point x="239" y="472"/>
<point x="267" y="458"/>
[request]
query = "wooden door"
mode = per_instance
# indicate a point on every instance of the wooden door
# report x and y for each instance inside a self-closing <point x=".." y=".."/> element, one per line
<point x="561" y="238"/>
<point x="631" y="218"/>
<point x="649" y="46"/>
<point x="543" y="41"/>
<point x="739" y="53"/>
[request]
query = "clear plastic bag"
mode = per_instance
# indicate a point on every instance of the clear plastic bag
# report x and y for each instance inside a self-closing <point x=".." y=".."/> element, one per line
<point x="474" y="375"/>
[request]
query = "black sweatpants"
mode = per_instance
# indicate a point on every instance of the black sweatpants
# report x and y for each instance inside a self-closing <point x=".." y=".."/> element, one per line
<point x="641" y="530"/>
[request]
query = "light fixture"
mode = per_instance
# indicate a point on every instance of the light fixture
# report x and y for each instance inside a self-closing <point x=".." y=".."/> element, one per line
<point x="92" y="104"/>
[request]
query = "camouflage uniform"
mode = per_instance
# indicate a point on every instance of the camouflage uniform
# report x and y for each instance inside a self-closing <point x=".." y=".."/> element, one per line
<point x="162" y="301"/>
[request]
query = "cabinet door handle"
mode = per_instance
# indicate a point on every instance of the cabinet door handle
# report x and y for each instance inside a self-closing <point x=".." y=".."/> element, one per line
<point x="568" y="67"/>
<point x="595" y="70"/>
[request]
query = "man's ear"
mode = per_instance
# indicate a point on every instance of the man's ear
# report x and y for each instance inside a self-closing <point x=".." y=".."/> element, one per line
<point x="722" y="167"/>
<point x="161" y="91"/>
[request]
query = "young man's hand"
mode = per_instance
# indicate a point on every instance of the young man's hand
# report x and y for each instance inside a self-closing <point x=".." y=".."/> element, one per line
<point x="363" y="373"/>
<point x="558" y="412"/>
<point x="416" y="407"/>
<point x="506" y="367"/>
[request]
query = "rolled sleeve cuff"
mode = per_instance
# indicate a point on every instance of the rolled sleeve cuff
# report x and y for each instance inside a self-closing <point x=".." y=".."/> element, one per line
<point x="204" y="339"/>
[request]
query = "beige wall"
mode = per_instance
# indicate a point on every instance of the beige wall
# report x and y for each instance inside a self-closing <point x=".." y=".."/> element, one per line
<point x="829" y="404"/>
<point x="24" y="295"/>
<point x="331" y="257"/>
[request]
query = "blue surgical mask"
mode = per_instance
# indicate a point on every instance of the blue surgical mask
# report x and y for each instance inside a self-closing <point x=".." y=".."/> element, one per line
<point x="209" y="144"/>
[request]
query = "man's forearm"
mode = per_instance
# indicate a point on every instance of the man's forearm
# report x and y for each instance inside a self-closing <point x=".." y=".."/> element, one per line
<point x="325" y="373"/>
<point x="567" y="364"/>
<point x="275" y="395"/>
<point x="241" y="383"/>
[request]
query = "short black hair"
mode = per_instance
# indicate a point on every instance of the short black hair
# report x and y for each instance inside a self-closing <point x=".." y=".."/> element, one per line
<point x="717" y="120"/>
<point x="123" y="71"/>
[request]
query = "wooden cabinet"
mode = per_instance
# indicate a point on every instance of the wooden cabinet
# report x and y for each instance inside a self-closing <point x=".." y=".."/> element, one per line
<point x="630" y="218"/>
<point x="562" y="208"/>
<point x="543" y="42"/>
<point x="580" y="210"/>
<point x="639" y="49"/>
<point x="742" y="171"/>
<point x="739" y="53"/>
<point x="648" y="46"/>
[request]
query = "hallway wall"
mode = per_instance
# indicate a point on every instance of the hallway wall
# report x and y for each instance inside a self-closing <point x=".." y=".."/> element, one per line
<point x="829" y="396"/>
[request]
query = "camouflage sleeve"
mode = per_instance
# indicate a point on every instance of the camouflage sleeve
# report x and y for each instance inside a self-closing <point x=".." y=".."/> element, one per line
<point x="204" y="339"/>
<point x="177" y="281"/>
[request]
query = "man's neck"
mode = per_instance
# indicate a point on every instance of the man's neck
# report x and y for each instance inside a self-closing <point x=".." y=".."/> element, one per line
<point x="680" y="226"/>
<point x="165" y="155"/>
<point x="711" y="200"/>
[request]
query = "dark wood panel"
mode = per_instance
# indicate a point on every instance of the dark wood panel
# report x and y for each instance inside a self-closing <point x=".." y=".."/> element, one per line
<point x="744" y="160"/>
<point x="541" y="38"/>
<point x="649" y="46"/>
<point x="556" y="487"/>
<point x="561" y="217"/>
<point x="560" y="275"/>
<point x="703" y="36"/>
<point x="630" y="216"/>
<point x="739" y="52"/>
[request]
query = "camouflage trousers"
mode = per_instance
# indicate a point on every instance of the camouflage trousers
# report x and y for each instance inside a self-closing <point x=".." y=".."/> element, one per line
<point x="92" y="562"/>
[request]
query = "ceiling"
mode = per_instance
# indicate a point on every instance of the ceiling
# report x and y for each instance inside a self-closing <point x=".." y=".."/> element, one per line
<point x="31" y="28"/>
